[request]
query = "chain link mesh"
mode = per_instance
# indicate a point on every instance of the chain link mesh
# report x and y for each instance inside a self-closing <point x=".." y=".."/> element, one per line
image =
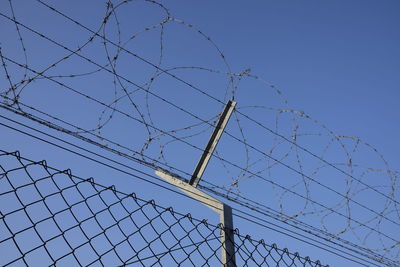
<point x="51" y="217"/>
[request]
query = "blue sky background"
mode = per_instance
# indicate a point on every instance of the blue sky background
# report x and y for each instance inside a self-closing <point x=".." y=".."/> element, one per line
<point x="338" y="61"/>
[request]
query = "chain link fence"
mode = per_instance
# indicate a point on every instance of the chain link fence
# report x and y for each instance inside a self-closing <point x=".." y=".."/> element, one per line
<point x="50" y="217"/>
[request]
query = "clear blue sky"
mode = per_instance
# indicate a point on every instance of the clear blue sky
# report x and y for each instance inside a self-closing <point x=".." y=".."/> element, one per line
<point x="338" y="61"/>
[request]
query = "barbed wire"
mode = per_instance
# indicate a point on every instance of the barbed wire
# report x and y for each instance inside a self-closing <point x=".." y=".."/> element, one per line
<point x="266" y="160"/>
<point x="262" y="210"/>
<point x="358" y="223"/>
<point x="315" y="202"/>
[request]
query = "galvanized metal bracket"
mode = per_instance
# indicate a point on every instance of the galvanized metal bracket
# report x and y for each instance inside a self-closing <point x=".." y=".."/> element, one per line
<point x="189" y="188"/>
<point x="224" y="211"/>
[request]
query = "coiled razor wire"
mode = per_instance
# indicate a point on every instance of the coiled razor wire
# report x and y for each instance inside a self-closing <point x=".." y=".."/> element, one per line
<point x="50" y="217"/>
<point x="333" y="182"/>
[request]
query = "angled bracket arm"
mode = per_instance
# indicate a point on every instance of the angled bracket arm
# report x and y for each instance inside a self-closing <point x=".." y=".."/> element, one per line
<point x="189" y="188"/>
<point x="212" y="143"/>
<point x="224" y="211"/>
